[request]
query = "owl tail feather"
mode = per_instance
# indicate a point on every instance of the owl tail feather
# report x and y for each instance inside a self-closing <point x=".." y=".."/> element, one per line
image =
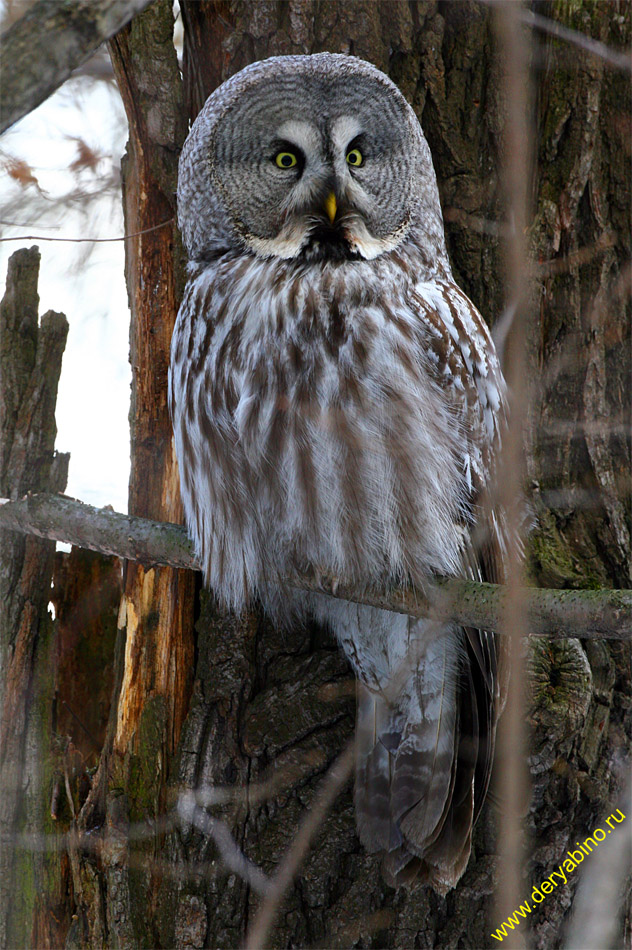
<point x="415" y="766"/>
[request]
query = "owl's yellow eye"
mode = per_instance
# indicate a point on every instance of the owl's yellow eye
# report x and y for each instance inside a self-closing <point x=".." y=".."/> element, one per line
<point x="286" y="160"/>
<point x="354" y="157"/>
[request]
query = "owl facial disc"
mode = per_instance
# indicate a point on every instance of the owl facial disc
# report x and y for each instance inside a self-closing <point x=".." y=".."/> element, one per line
<point x="330" y="183"/>
<point x="307" y="157"/>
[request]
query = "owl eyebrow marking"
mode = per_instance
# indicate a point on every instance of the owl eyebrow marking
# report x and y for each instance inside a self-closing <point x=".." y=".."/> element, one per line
<point x="357" y="142"/>
<point x="344" y="130"/>
<point x="305" y="135"/>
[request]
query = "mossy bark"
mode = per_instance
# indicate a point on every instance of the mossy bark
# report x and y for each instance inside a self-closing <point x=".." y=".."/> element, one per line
<point x="153" y="661"/>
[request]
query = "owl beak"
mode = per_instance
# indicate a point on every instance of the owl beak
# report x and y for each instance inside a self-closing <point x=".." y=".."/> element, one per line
<point x="331" y="207"/>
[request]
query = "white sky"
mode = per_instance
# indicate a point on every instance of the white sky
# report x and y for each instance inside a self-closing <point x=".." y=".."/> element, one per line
<point x="94" y="391"/>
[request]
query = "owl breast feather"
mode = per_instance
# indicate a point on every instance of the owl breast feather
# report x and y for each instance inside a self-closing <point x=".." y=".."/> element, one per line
<point x="314" y="426"/>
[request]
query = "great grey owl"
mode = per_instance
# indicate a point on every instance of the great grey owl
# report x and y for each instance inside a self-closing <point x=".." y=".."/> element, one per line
<point x="337" y="405"/>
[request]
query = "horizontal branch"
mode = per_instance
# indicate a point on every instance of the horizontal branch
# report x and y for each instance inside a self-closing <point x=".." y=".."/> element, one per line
<point x="552" y="613"/>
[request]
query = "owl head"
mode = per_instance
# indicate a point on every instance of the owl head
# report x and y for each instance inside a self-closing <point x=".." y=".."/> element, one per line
<point x="307" y="157"/>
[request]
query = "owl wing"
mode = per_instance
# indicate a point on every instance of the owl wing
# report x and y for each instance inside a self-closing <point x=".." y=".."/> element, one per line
<point x="422" y="778"/>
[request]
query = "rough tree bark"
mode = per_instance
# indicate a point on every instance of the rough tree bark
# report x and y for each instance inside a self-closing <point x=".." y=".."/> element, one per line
<point x="40" y="50"/>
<point x="269" y="711"/>
<point x="115" y="889"/>
<point x="443" y="56"/>
<point x="30" y="364"/>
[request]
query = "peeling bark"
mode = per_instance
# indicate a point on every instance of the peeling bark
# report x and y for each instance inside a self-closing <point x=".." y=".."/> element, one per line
<point x="154" y="653"/>
<point x="159" y="601"/>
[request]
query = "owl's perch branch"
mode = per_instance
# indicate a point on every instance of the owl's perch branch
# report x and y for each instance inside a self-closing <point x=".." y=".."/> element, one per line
<point x="556" y="614"/>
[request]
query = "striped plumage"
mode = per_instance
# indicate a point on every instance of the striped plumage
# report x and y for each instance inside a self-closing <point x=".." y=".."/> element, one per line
<point x="337" y="404"/>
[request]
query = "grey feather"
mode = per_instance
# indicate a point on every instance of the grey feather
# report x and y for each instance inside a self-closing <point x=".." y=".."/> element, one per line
<point x="337" y="403"/>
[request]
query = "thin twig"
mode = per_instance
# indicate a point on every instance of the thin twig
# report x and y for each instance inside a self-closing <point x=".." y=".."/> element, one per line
<point x="232" y="855"/>
<point x="599" y="895"/>
<point x="71" y="802"/>
<point x="611" y="57"/>
<point x="208" y="796"/>
<point x="123" y="237"/>
<point x="576" y="259"/>
<point x="97" y="745"/>
<point x="591" y="614"/>
<point x="513" y="777"/>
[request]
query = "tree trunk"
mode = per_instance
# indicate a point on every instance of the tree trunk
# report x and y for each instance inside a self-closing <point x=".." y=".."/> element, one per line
<point x="30" y="362"/>
<point x="256" y="715"/>
<point x="444" y="58"/>
<point x="116" y="885"/>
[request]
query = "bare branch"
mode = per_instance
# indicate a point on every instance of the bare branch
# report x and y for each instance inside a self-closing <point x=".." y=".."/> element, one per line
<point x="254" y="793"/>
<point x="232" y="856"/>
<point x="611" y="57"/>
<point x="556" y="614"/>
<point x="60" y="518"/>
<point x="40" y="51"/>
<point x="332" y="785"/>
<point x="88" y="240"/>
